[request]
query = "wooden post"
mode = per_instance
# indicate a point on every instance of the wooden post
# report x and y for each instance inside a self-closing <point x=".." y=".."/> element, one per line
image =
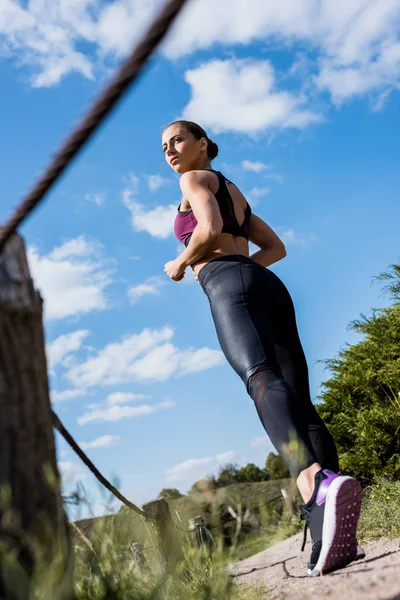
<point x="290" y="504"/>
<point x="162" y="532"/>
<point x="33" y="528"/>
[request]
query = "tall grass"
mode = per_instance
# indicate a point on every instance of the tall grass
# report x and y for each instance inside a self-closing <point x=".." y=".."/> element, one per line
<point x="380" y="516"/>
<point x="105" y="568"/>
<point x="109" y="572"/>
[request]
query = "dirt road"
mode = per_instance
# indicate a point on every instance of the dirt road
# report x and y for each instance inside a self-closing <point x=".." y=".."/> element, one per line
<point x="282" y="572"/>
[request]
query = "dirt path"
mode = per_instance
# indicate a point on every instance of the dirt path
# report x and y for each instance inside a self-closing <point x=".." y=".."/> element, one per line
<point x="282" y="572"/>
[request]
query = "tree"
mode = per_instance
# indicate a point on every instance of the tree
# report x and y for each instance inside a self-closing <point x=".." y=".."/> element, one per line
<point x="251" y="473"/>
<point x="275" y="467"/>
<point x="206" y="487"/>
<point x="227" y="475"/>
<point x="170" y="494"/>
<point x="361" y="401"/>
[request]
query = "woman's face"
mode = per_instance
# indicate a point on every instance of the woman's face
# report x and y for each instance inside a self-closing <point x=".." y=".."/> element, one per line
<point x="181" y="149"/>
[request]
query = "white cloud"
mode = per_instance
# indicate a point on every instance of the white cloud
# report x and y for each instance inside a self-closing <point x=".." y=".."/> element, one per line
<point x="262" y="440"/>
<point x="344" y="82"/>
<point x="292" y="238"/>
<point x="254" y="166"/>
<point x="360" y="35"/>
<point x="71" y="473"/>
<point x="155" y="182"/>
<point x="197" y="468"/>
<point x="193" y="361"/>
<point x="55" y="67"/>
<point x="95" y="198"/>
<point x="192" y="468"/>
<point x="72" y="278"/>
<point x="101" y="442"/>
<point x="151" y="286"/>
<point x="123" y="398"/>
<point x="254" y="195"/>
<point x="121" y="23"/>
<point x="66" y="395"/>
<point x="43" y="34"/>
<point x="241" y="96"/>
<point x="62" y="347"/>
<point x="158" y="221"/>
<point x="274" y="176"/>
<point x="226" y="457"/>
<point x="117" y="412"/>
<point x="146" y="356"/>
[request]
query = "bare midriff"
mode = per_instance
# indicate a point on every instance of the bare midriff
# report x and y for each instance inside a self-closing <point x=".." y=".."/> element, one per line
<point x="226" y="244"/>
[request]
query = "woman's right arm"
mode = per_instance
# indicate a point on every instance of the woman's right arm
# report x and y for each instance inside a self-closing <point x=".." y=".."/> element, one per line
<point x="271" y="246"/>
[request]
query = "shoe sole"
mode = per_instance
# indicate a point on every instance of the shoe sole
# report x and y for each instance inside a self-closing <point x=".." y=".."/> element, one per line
<point x="359" y="556"/>
<point x="342" y="511"/>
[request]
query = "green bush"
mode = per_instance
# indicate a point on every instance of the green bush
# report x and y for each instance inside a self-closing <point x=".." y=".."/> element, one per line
<point x="361" y="402"/>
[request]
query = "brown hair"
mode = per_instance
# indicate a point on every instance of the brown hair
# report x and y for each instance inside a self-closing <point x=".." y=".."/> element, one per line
<point x="198" y="132"/>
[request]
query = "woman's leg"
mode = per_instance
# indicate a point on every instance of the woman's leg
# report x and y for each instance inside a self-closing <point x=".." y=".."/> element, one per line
<point x="251" y="310"/>
<point x="292" y="361"/>
<point x="242" y="303"/>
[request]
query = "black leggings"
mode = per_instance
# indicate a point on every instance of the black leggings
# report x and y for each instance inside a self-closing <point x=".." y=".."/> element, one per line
<point x="256" y="327"/>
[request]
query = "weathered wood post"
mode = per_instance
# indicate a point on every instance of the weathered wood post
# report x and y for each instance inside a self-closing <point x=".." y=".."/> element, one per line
<point x="162" y="533"/>
<point x="290" y="504"/>
<point x="33" y="529"/>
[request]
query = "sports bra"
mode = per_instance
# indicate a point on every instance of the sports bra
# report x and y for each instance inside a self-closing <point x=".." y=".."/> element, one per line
<point x="185" y="221"/>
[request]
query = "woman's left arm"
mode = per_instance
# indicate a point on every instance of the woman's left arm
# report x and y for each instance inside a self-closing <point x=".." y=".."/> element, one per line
<point x="195" y="187"/>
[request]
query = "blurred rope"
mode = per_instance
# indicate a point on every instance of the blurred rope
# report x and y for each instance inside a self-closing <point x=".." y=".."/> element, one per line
<point x="127" y="74"/>
<point x="70" y="440"/>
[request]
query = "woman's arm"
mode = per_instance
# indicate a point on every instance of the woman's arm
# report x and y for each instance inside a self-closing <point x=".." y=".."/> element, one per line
<point x="195" y="186"/>
<point x="271" y="246"/>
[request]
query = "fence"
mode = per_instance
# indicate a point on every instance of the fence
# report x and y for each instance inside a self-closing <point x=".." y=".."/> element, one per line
<point x="31" y="511"/>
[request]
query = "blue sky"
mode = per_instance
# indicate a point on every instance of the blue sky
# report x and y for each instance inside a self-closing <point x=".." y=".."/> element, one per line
<point x="303" y="101"/>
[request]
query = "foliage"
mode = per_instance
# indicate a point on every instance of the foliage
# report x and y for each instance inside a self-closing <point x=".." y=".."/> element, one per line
<point x="251" y="473"/>
<point x="170" y="494"/>
<point x="111" y="573"/>
<point x="361" y="402"/>
<point x="275" y="467"/>
<point x="380" y="516"/>
<point x="227" y="475"/>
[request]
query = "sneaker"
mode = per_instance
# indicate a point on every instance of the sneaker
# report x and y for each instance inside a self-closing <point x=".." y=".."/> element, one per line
<point x="331" y="515"/>
<point x="359" y="556"/>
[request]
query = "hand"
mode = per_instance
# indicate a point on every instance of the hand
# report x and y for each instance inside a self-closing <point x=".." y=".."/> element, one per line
<point x="175" y="270"/>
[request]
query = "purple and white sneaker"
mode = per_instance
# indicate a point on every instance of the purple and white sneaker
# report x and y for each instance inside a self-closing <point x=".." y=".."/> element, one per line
<point x="332" y="515"/>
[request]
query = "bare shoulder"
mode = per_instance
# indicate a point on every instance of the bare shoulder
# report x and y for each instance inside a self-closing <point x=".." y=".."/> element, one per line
<point x="197" y="178"/>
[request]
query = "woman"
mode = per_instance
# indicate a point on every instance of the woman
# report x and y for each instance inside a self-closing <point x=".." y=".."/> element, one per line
<point x="255" y="323"/>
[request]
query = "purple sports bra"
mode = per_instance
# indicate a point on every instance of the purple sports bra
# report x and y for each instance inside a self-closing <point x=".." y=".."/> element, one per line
<point x="185" y="221"/>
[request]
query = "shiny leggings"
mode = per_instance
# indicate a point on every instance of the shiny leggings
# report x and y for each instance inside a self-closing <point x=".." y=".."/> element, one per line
<point x="256" y="327"/>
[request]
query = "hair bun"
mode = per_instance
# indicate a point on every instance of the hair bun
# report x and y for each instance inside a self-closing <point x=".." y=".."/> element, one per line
<point x="212" y="149"/>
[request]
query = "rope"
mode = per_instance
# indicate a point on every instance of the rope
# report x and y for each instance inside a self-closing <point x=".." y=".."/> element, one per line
<point x="70" y="440"/>
<point x="126" y="75"/>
